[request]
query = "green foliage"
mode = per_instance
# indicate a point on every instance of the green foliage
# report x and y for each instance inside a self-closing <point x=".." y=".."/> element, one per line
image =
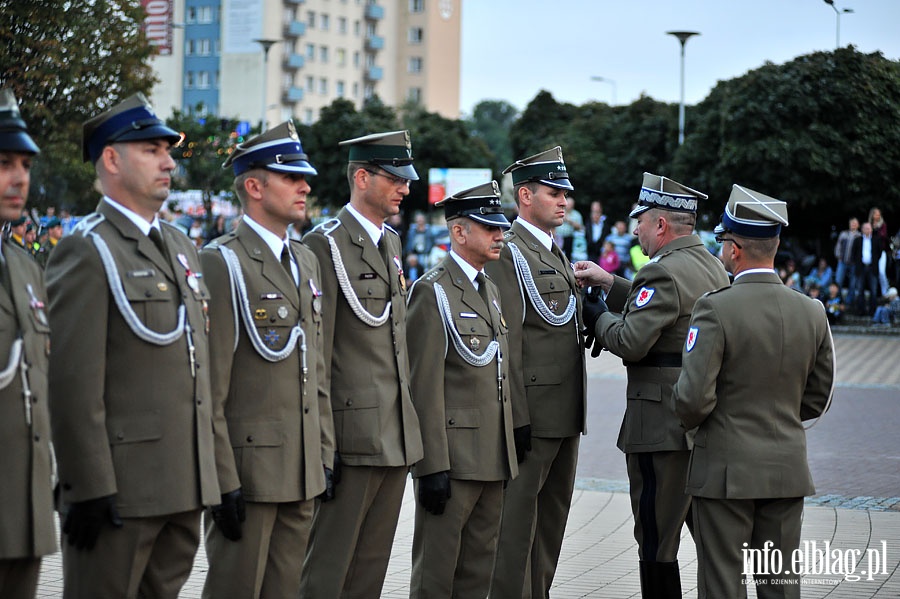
<point x="67" y="61"/>
<point x="541" y="126"/>
<point x="491" y="122"/>
<point x="208" y="141"/>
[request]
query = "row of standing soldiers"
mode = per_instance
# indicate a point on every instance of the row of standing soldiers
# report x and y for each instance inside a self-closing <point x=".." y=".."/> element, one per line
<point x="287" y="389"/>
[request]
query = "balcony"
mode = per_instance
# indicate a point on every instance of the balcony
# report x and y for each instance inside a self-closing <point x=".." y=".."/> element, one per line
<point x="294" y="2"/>
<point x="294" y="61"/>
<point x="374" y="42"/>
<point x="374" y="74"/>
<point x="292" y="94"/>
<point x="294" y="29"/>
<point x="374" y="12"/>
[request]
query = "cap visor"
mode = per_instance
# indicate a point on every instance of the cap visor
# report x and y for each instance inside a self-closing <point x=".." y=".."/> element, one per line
<point x="18" y="142"/>
<point x="639" y="210"/>
<point x="152" y="132"/>
<point x="406" y="172"/>
<point x="491" y="220"/>
<point x="300" y="167"/>
<point x="558" y="183"/>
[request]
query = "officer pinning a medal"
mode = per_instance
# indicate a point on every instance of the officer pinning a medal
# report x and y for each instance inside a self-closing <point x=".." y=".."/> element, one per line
<point x="458" y="347"/>
<point x="540" y="303"/>
<point x="129" y="387"/>
<point x="758" y="360"/>
<point x="645" y="324"/>
<point x="26" y="494"/>
<point x="268" y="377"/>
<point x="364" y="344"/>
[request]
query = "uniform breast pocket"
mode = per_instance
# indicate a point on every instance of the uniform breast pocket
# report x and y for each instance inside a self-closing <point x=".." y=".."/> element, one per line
<point x="475" y="333"/>
<point x="153" y="301"/>
<point x="373" y="295"/>
<point x="554" y="290"/>
<point x="274" y="321"/>
<point x="462" y="439"/>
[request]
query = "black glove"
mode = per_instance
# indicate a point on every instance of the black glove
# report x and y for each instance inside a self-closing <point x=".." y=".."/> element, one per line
<point x="591" y="309"/>
<point x="229" y="514"/>
<point x="434" y="491"/>
<point x="86" y="518"/>
<point x="328" y="494"/>
<point x="337" y="468"/>
<point x="522" y="439"/>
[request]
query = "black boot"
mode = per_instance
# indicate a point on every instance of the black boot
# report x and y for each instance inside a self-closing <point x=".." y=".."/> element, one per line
<point x="660" y="580"/>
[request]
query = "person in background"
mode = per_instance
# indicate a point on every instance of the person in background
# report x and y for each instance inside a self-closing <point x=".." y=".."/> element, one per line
<point x="621" y="239"/>
<point x="596" y="231"/>
<point x="888" y="310"/>
<point x="419" y="239"/>
<point x="834" y="304"/>
<point x="27" y="531"/>
<point x="609" y="259"/>
<point x="866" y="254"/>
<point x="821" y="275"/>
<point x="880" y="230"/>
<point x="845" y="275"/>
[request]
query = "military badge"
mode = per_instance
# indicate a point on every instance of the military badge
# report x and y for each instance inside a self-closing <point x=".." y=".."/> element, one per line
<point x="162" y="286"/>
<point x="37" y="306"/>
<point x="497" y="306"/>
<point x="260" y="314"/>
<point x="272" y="338"/>
<point x="554" y="305"/>
<point x="691" y="338"/>
<point x="192" y="278"/>
<point x="643" y="297"/>
<point x="474" y="343"/>
<point x="282" y="312"/>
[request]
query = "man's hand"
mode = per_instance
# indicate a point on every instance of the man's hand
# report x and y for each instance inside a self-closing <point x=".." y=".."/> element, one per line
<point x="434" y="491"/>
<point x="86" y="518"/>
<point x="522" y="439"/>
<point x="330" y="483"/>
<point x="591" y="309"/>
<point x="229" y="514"/>
<point x="590" y="274"/>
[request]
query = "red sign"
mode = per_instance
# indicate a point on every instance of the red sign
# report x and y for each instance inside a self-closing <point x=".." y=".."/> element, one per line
<point x="158" y="25"/>
<point x="436" y="192"/>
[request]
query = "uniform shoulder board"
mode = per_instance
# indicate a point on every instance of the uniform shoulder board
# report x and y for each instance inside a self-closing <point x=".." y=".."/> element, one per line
<point x="86" y="224"/>
<point x="654" y="259"/>
<point x="719" y="290"/>
<point x="327" y="227"/>
<point x="508" y="234"/>
<point x="434" y="274"/>
<point x="223" y="240"/>
<point x="387" y="227"/>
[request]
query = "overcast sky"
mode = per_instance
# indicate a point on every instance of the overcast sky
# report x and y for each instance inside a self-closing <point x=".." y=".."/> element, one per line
<point x="511" y="49"/>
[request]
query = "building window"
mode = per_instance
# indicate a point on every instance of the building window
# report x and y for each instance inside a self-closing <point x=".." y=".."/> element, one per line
<point x="188" y="80"/>
<point x="217" y="80"/>
<point x="342" y="25"/>
<point x="415" y="64"/>
<point x="356" y="28"/>
<point x="189" y="47"/>
<point x="355" y="90"/>
<point x="339" y="89"/>
<point x="287" y="81"/>
<point x="311" y="19"/>
<point x="341" y="57"/>
<point x="190" y="14"/>
<point x="203" y="80"/>
<point x="324" y="22"/>
<point x="356" y="59"/>
<point x="218" y="46"/>
<point x="323" y="54"/>
<point x="370" y="30"/>
<point x="310" y="52"/>
<point x="415" y="95"/>
<point x="323" y="86"/>
<point x="415" y="35"/>
<point x="203" y="47"/>
<point x="205" y="15"/>
<point x="310" y="84"/>
<point x="308" y="116"/>
<point x="369" y="91"/>
<point x="370" y="60"/>
<point x="416" y="5"/>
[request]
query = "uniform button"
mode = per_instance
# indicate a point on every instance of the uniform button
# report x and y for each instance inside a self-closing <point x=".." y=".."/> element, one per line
<point x="349" y="402"/>
<point x="533" y="378"/>
<point x="472" y="329"/>
<point x="504" y="377"/>
<point x="199" y="402"/>
<point x="272" y="319"/>
<point x="120" y="436"/>
<point x="148" y="294"/>
<point x="369" y="291"/>
<point x="306" y="410"/>
<point x="249" y="438"/>
<point x="37" y="437"/>
<point x="67" y="487"/>
<point x="451" y="422"/>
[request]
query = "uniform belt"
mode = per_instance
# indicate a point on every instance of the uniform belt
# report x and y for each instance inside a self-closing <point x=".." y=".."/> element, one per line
<point x="661" y="360"/>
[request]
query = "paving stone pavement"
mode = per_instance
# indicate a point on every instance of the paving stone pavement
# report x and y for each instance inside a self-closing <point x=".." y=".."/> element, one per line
<point x="599" y="555"/>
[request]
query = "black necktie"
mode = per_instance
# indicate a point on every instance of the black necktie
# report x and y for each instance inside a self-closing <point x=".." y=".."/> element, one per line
<point x="562" y="257"/>
<point x="156" y="237"/>
<point x="286" y="263"/>
<point x="385" y="252"/>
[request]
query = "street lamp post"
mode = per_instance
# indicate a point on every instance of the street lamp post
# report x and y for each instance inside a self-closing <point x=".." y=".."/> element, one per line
<point x="683" y="37"/>
<point x="837" y="16"/>
<point x="611" y="82"/>
<point x="266" y="44"/>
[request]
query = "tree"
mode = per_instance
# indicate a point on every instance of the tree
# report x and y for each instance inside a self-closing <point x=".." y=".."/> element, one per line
<point x="207" y="143"/>
<point x="68" y="61"/>
<point x="541" y="126"/>
<point x="821" y="132"/>
<point x="491" y="122"/>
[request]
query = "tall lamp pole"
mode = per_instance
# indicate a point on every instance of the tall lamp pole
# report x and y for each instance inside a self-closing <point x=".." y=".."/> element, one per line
<point x="683" y="37"/>
<point x="266" y="44"/>
<point x="837" y="16"/>
<point x="611" y="82"/>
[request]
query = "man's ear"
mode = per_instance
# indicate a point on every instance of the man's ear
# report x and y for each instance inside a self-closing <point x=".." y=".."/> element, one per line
<point x="253" y="187"/>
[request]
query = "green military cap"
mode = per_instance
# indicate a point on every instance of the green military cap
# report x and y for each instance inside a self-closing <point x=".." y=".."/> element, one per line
<point x="547" y="168"/>
<point x="13" y="131"/>
<point x="278" y="150"/>
<point x="391" y="151"/>
<point x="666" y="194"/>
<point x="53" y="221"/>
<point x="132" y="119"/>
<point x="480" y="203"/>
<point x="750" y="213"/>
<point x="19" y="221"/>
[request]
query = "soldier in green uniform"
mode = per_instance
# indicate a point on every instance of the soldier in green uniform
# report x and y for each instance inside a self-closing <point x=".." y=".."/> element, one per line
<point x="364" y="343"/>
<point x="540" y="302"/>
<point x="129" y="386"/>
<point x="758" y="360"/>
<point x="26" y="494"/>
<point x="268" y="377"/>
<point x="646" y="328"/>
<point x="458" y="348"/>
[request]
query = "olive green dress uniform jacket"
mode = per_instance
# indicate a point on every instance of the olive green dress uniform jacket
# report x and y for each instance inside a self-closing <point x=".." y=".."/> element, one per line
<point x="128" y="416"/>
<point x="655" y="311"/>
<point x="466" y="428"/>
<point x="278" y="418"/>
<point x="761" y="362"/>
<point x="546" y="362"/>
<point x="375" y="423"/>
<point x="26" y="493"/>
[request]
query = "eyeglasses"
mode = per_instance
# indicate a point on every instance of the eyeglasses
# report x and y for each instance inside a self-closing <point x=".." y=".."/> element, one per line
<point x="398" y="181"/>
<point x="720" y="239"/>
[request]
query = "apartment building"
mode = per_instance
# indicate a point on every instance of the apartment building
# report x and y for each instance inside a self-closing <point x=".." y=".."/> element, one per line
<point x="290" y="58"/>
